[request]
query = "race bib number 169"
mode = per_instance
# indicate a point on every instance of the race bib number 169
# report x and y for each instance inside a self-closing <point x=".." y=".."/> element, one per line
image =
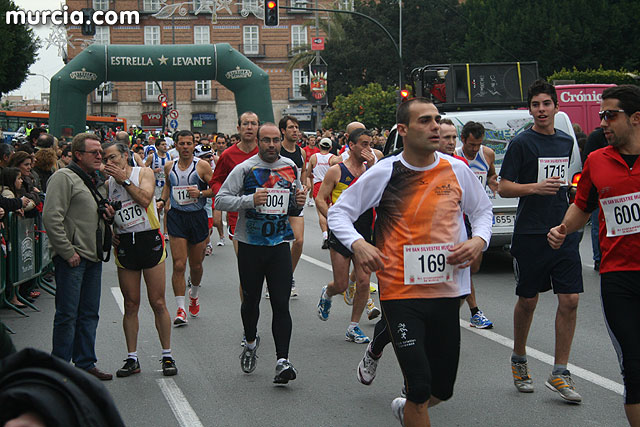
<point x="427" y="264"/>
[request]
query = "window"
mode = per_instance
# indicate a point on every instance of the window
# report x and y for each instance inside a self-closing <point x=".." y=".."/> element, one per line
<point x="250" y="4"/>
<point x="345" y="5"/>
<point x="101" y="4"/>
<point x="203" y="89"/>
<point x="201" y="34"/>
<point x="250" y="39"/>
<point x="152" y="35"/>
<point x="108" y="91"/>
<point x="151" y="5"/>
<point x="298" y="36"/>
<point x="299" y="3"/>
<point x="102" y="36"/>
<point x="299" y="78"/>
<point x="152" y="90"/>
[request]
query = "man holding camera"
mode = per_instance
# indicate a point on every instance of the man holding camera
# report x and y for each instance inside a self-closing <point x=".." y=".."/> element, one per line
<point x="76" y="225"/>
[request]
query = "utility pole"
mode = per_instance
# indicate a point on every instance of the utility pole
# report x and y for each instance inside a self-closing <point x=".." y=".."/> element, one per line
<point x="318" y="107"/>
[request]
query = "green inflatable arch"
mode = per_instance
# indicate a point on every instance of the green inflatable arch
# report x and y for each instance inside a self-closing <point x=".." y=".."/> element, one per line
<point x="136" y="63"/>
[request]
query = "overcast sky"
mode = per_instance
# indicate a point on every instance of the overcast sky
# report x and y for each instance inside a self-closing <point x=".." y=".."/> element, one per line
<point x="48" y="62"/>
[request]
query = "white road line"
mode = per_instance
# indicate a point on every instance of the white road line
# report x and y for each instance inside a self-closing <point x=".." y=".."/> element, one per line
<point x="117" y="295"/>
<point x="532" y="352"/>
<point x="183" y="412"/>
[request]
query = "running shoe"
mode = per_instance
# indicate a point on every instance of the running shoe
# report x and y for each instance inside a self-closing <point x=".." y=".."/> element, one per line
<point x="372" y="310"/>
<point x="181" y="318"/>
<point x="220" y="242"/>
<point x="194" y="305"/>
<point x="367" y="367"/>
<point x="294" y="291"/>
<point x="350" y="293"/>
<point x="372" y="289"/>
<point x="325" y="244"/>
<point x="285" y="372"/>
<point x="397" y="407"/>
<point x="209" y="250"/>
<point x="248" y="357"/>
<point x="169" y="366"/>
<point x="563" y="384"/>
<point x="480" y="321"/>
<point x="356" y="335"/>
<point x="521" y="378"/>
<point x="324" y="306"/>
<point x="131" y="366"/>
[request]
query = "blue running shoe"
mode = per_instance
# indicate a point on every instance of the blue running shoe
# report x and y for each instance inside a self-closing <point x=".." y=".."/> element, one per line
<point x="324" y="306"/>
<point x="480" y="321"/>
<point x="356" y="335"/>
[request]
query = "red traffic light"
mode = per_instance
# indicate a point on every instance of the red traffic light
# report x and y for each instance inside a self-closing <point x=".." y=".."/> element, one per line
<point x="271" y="4"/>
<point x="164" y="104"/>
<point x="404" y="94"/>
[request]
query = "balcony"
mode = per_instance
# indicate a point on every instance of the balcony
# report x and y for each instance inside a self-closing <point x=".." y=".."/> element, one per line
<point x="252" y="50"/>
<point x="299" y="3"/>
<point x="212" y="97"/>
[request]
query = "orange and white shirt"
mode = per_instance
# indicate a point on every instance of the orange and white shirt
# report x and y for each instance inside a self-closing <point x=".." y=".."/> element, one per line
<point x="419" y="216"/>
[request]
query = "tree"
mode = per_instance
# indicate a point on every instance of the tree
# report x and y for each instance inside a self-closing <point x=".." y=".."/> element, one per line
<point x="371" y="105"/>
<point x="18" y="53"/>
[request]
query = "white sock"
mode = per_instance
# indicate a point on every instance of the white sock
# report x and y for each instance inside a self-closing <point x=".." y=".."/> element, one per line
<point x="251" y="345"/>
<point x="282" y="360"/>
<point x="325" y="235"/>
<point x="352" y="326"/>
<point x="166" y="352"/>
<point x="133" y="355"/>
<point x="194" y="291"/>
<point x="180" y="302"/>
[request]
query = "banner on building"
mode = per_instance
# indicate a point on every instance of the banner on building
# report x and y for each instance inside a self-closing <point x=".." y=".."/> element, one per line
<point x="318" y="83"/>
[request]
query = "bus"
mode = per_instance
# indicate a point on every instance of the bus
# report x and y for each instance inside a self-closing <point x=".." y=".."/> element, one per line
<point x="13" y="122"/>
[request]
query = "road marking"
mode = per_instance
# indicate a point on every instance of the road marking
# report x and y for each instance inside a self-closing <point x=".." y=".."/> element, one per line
<point x="326" y="266"/>
<point x="117" y="295"/>
<point x="531" y="352"/>
<point x="183" y="412"/>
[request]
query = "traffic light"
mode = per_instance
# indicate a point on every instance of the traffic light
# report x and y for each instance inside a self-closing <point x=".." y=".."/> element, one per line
<point x="404" y="94"/>
<point x="164" y="105"/>
<point x="88" y="27"/>
<point x="271" y="15"/>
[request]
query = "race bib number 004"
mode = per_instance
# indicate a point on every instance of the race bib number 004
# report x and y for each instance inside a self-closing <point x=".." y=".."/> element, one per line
<point x="130" y="214"/>
<point x="277" y="202"/>
<point x="181" y="195"/>
<point x="427" y="264"/>
<point x="553" y="167"/>
<point x="622" y="214"/>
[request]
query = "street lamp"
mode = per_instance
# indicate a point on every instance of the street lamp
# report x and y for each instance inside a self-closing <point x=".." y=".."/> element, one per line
<point x="48" y="79"/>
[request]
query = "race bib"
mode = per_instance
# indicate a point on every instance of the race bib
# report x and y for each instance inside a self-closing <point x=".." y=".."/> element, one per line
<point x="427" y="264"/>
<point x="130" y="214"/>
<point x="553" y="166"/>
<point x="622" y="214"/>
<point x="181" y="195"/>
<point x="482" y="176"/>
<point x="277" y="202"/>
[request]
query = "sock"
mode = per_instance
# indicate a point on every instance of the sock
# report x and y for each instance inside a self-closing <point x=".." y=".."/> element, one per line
<point x="180" y="302"/>
<point x="194" y="291"/>
<point x="251" y="345"/>
<point x="516" y="358"/>
<point x="133" y="355"/>
<point x="166" y="352"/>
<point x="474" y="310"/>
<point x="558" y="369"/>
<point x="325" y="294"/>
<point x="352" y="326"/>
<point x="325" y="235"/>
<point x="282" y="360"/>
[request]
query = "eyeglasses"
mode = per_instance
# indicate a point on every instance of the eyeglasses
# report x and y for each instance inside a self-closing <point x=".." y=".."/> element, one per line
<point x="609" y="114"/>
<point x="266" y="140"/>
<point x="94" y="153"/>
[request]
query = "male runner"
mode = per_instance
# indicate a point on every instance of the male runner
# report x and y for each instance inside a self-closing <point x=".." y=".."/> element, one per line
<point x="187" y="191"/>
<point x="535" y="169"/>
<point x="262" y="189"/>
<point x="317" y="169"/>
<point x="421" y="254"/>
<point x="611" y="176"/>
<point x="157" y="161"/>
<point x="337" y="179"/>
<point x="139" y="250"/>
<point x="310" y="149"/>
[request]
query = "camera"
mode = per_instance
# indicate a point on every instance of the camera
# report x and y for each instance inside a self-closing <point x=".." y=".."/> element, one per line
<point x="103" y="203"/>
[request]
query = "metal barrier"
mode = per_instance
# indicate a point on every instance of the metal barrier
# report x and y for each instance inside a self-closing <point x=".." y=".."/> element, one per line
<point x="43" y="259"/>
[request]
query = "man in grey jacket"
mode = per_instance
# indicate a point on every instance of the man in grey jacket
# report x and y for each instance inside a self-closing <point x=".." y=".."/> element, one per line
<point x="72" y="221"/>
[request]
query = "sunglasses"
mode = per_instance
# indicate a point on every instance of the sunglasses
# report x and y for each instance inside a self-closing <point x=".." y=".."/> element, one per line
<point x="609" y="114"/>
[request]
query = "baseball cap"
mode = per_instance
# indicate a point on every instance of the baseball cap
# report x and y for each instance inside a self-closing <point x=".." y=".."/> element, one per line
<point x="202" y="150"/>
<point x="325" y="143"/>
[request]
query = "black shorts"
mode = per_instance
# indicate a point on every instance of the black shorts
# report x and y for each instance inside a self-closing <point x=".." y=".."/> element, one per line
<point x="426" y="339"/>
<point x="363" y="226"/>
<point x="190" y="225"/>
<point x="538" y="267"/>
<point x="139" y="251"/>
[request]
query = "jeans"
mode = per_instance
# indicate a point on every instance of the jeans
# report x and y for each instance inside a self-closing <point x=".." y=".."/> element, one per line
<point x="595" y="242"/>
<point x="77" y="305"/>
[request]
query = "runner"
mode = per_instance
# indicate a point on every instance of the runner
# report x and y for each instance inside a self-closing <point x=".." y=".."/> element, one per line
<point x="310" y="149"/>
<point x="318" y="167"/>
<point x="610" y="178"/>
<point x="157" y="161"/>
<point x="337" y="179"/>
<point x="138" y="249"/>
<point x="262" y="190"/>
<point x="204" y="152"/>
<point x="186" y="221"/>
<point x="535" y="169"/>
<point x="420" y="197"/>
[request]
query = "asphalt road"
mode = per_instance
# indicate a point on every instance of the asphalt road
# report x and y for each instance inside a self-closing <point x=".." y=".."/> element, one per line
<point x="211" y="390"/>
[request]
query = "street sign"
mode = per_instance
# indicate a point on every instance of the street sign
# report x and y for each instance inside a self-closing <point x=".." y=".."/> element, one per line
<point x="173" y="124"/>
<point x="162" y="97"/>
<point x="173" y="114"/>
<point x="317" y="43"/>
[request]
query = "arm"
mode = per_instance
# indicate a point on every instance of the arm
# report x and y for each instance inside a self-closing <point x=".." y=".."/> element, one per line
<point x="312" y="164"/>
<point x="492" y="176"/>
<point x="328" y="184"/>
<point x="206" y="173"/>
<point x="548" y="187"/>
<point x="143" y="194"/>
<point x="573" y="220"/>
<point x="303" y="172"/>
<point x="230" y="197"/>
<point x="164" y="197"/>
<point x="148" y="161"/>
<point x="223" y="168"/>
<point x="138" y="160"/>
<point x="335" y="160"/>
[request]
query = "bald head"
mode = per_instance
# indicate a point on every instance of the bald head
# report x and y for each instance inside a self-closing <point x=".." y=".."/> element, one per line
<point x="123" y="137"/>
<point x="353" y="126"/>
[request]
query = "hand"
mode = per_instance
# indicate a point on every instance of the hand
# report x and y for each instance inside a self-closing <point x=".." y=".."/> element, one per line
<point x="556" y="236"/>
<point x="369" y="157"/>
<point x="115" y="240"/>
<point x="194" y="193"/>
<point x="465" y="253"/>
<point x="109" y="214"/>
<point x="25" y="201"/>
<point x="20" y="212"/>
<point x="159" y="205"/>
<point x="74" y="261"/>
<point x="549" y="186"/>
<point x="368" y="256"/>
<point x="301" y="197"/>
<point x="492" y="183"/>
<point x="116" y="172"/>
<point x="157" y="170"/>
<point x="260" y="197"/>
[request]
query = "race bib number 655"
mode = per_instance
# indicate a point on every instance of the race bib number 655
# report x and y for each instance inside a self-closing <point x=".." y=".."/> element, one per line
<point x="427" y="264"/>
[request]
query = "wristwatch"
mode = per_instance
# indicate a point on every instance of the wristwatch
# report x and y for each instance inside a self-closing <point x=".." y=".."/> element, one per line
<point x="200" y="194"/>
<point x="126" y="183"/>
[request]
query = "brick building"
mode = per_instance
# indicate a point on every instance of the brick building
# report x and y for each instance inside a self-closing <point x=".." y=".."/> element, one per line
<point x="203" y="105"/>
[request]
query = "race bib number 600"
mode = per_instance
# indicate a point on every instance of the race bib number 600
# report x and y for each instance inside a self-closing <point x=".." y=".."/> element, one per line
<point x="277" y="202"/>
<point x="622" y="214"/>
<point x="549" y="167"/>
<point x="427" y="264"/>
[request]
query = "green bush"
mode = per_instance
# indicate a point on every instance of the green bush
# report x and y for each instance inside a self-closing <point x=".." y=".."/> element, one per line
<point x="591" y="76"/>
